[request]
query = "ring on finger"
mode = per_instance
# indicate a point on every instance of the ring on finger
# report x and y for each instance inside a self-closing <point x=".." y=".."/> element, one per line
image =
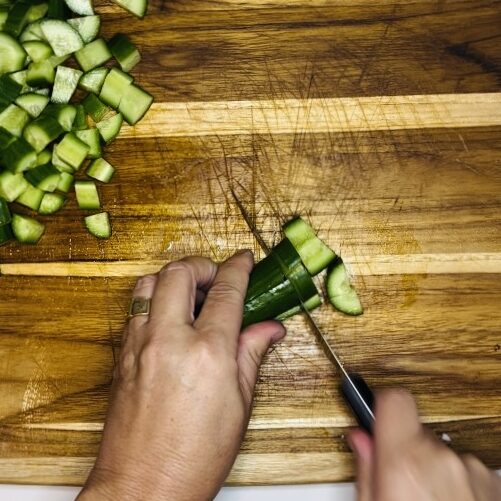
<point x="139" y="306"/>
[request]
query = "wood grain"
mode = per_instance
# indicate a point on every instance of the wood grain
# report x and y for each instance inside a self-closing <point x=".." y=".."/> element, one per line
<point x="377" y="121"/>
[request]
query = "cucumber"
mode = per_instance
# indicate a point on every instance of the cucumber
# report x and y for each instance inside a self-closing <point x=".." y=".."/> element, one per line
<point x="91" y="138"/>
<point x="19" y="156"/>
<point x="312" y="303"/>
<point x="72" y="150"/>
<point x="124" y="51"/>
<point x="93" y="55"/>
<point x="45" y="177"/>
<point x="58" y="10"/>
<point x="314" y="253"/>
<point x="37" y="50"/>
<point x="5" y="234"/>
<point x="5" y="216"/>
<point x="6" y="138"/>
<point x="32" y="103"/>
<point x="80" y="122"/>
<point x="114" y="87"/>
<point x="26" y="229"/>
<point x="3" y="16"/>
<point x="65" y="114"/>
<point x="101" y="170"/>
<point x="65" y="182"/>
<point x="51" y="203"/>
<point x="99" y="225"/>
<point x="40" y="74"/>
<point x="95" y="107"/>
<point x="110" y="128"/>
<point x="136" y="7"/>
<point x="12" y="54"/>
<point x="57" y="60"/>
<point x="135" y="102"/>
<point x="65" y="84"/>
<point x="340" y="291"/>
<point x="41" y="132"/>
<point x="12" y="185"/>
<point x="62" y="37"/>
<point x="87" y="27"/>
<point x="44" y="157"/>
<point x="10" y="89"/>
<point x="81" y="7"/>
<point x="13" y="119"/>
<point x="59" y="164"/>
<point x="93" y="80"/>
<point x="31" y="197"/>
<point x="17" y="18"/>
<point x="32" y="32"/>
<point x="87" y="195"/>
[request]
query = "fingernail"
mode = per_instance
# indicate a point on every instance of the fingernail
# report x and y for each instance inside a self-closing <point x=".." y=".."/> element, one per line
<point x="279" y="334"/>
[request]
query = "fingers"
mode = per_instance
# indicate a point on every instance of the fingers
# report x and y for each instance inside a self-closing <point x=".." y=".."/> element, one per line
<point x="252" y="346"/>
<point x="175" y="292"/>
<point x="362" y="446"/>
<point x="145" y="287"/>
<point x="221" y="314"/>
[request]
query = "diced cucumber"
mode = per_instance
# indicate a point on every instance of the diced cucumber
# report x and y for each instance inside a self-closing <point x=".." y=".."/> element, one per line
<point x="134" y="103"/>
<point x="95" y="107"/>
<point x="45" y="177"/>
<point x="101" y="170"/>
<point x="32" y="103"/>
<point x="37" y="11"/>
<point x="124" y="51"/>
<point x="80" y="122"/>
<point x="87" y="27"/>
<point x="58" y="10"/>
<point x="110" y="128"/>
<point x="310" y="304"/>
<point x="87" y="195"/>
<point x="32" y="32"/>
<point x="60" y="165"/>
<point x="19" y="156"/>
<point x="5" y="216"/>
<point x="31" y="197"/>
<point x="5" y="234"/>
<point x="42" y="131"/>
<point x="314" y="253"/>
<point x="93" y="80"/>
<point x="6" y="138"/>
<point x="17" y="18"/>
<point x="12" y="54"/>
<point x="13" y="119"/>
<point x="93" y="55"/>
<point x="65" y="114"/>
<point x="19" y="77"/>
<point x="340" y="291"/>
<point x="12" y="185"/>
<point x="37" y="50"/>
<point x="81" y="7"/>
<point x="72" y="150"/>
<point x="65" y="84"/>
<point x="40" y="74"/>
<point x="44" y="157"/>
<point x="91" y="138"/>
<point x="62" y="37"/>
<point x="114" y="87"/>
<point x="136" y="7"/>
<point x="65" y="182"/>
<point x="55" y="61"/>
<point x="99" y="225"/>
<point x="51" y="203"/>
<point x="26" y="229"/>
<point x="10" y="89"/>
<point x="4" y="10"/>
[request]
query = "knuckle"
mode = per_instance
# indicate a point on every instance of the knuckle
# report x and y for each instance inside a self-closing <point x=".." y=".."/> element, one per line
<point x="146" y="281"/>
<point x="227" y="292"/>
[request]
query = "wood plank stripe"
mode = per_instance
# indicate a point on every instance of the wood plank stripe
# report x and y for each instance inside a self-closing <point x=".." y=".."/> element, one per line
<point x="350" y="114"/>
<point x="392" y="264"/>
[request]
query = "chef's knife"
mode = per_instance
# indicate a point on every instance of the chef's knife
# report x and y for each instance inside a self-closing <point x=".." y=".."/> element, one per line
<point x="355" y="390"/>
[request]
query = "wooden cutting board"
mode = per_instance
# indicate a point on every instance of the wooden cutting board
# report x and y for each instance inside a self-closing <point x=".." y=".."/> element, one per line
<point x="380" y="122"/>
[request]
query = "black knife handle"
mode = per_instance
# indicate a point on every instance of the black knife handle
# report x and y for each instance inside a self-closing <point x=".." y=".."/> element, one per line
<point x="361" y="400"/>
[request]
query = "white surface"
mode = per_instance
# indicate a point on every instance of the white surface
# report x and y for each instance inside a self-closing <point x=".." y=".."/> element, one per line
<point x="327" y="492"/>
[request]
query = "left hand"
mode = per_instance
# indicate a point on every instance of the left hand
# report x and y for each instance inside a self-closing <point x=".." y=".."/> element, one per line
<point x="183" y="388"/>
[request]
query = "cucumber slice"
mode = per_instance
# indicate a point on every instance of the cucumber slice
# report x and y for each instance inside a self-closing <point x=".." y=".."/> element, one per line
<point x="41" y="132"/>
<point x="314" y="253"/>
<point x="32" y="103"/>
<point x="31" y="197"/>
<point x="72" y="150"/>
<point x="136" y="7"/>
<point x="12" y="54"/>
<point x="37" y="11"/>
<point x="40" y="74"/>
<point x="66" y="181"/>
<point x="65" y="114"/>
<point x="93" y="55"/>
<point x="5" y="234"/>
<point x="101" y="170"/>
<point x="80" y="122"/>
<point x="99" y="225"/>
<point x="93" y="80"/>
<point x="81" y="7"/>
<point x="91" y="138"/>
<point x="114" y="87"/>
<point x="340" y="291"/>
<point x="134" y="103"/>
<point x="110" y="128"/>
<point x="10" y="89"/>
<point x="87" y="195"/>
<point x="6" y="138"/>
<point x="59" y="164"/>
<point x="124" y="51"/>
<point x="62" y="37"/>
<point x="51" y="203"/>
<point x="58" y="10"/>
<point x="45" y="177"/>
<point x="87" y="27"/>
<point x="310" y="304"/>
<point x="12" y="185"/>
<point x="37" y="50"/>
<point x="26" y="229"/>
<point x="19" y="156"/>
<point x="5" y="216"/>
<point x="17" y="18"/>
<point x="32" y="32"/>
<point x="44" y="157"/>
<point x="13" y="119"/>
<point x="95" y="107"/>
<point x="65" y="84"/>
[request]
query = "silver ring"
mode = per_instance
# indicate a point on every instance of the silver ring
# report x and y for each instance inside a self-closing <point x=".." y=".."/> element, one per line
<point x="139" y="306"/>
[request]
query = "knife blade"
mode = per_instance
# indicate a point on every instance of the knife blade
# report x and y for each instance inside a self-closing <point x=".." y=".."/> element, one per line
<point x="354" y="389"/>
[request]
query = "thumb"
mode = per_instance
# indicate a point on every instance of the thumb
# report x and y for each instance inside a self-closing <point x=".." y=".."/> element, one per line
<point x="363" y="447"/>
<point x="253" y="344"/>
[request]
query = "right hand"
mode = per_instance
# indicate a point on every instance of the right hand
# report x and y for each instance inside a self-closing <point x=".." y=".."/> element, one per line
<point x="405" y="461"/>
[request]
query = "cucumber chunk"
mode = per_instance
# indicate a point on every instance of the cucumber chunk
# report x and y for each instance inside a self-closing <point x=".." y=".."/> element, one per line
<point x="72" y="150"/>
<point x="62" y="37"/>
<point x="10" y="89"/>
<point x="12" y="54"/>
<point x="124" y="51"/>
<point x="32" y="32"/>
<point x="5" y="216"/>
<point x="5" y="234"/>
<point x="80" y="122"/>
<point x="87" y="195"/>
<point x="51" y="203"/>
<point x="41" y="132"/>
<point x="37" y="50"/>
<point x="31" y="197"/>
<point x="17" y="18"/>
<point x="6" y="138"/>
<point x="59" y="164"/>
<point x="114" y="87"/>
<point x="81" y="7"/>
<point x="44" y="157"/>
<point x="91" y="138"/>
<point x="65" y="114"/>
<point x="58" y="10"/>
<point x="19" y="156"/>
<point x="40" y="74"/>
<point x="101" y="170"/>
<point x="32" y="103"/>
<point x="65" y="84"/>
<point x="136" y="7"/>
<point x="135" y="102"/>
<point x="340" y="291"/>
<point x="12" y="185"/>
<point x="93" y="55"/>
<point x="87" y="27"/>
<point x="66" y="181"/>
<point x="14" y="119"/>
<point x="99" y="225"/>
<point x="46" y="177"/>
<point x="26" y="229"/>
<point x="93" y="80"/>
<point x="110" y="128"/>
<point x="95" y="107"/>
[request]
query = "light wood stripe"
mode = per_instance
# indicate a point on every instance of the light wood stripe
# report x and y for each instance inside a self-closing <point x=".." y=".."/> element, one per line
<point x="392" y="264"/>
<point x="350" y="114"/>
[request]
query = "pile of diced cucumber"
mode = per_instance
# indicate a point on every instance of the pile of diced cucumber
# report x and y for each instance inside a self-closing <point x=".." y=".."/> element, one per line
<point x="281" y="285"/>
<point x="64" y="94"/>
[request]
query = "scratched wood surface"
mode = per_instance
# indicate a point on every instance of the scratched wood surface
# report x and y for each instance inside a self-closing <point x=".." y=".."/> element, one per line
<point x="379" y="121"/>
